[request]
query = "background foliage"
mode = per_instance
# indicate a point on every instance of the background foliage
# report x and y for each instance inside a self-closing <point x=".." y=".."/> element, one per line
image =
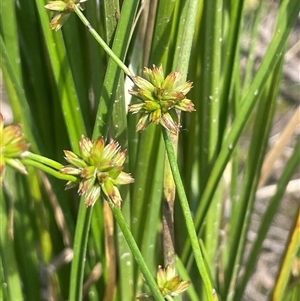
<point x="62" y="84"/>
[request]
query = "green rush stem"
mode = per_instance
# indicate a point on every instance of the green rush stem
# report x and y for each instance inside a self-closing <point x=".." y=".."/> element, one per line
<point x="188" y="217"/>
<point x="49" y="170"/>
<point x="101" y="42"/>
<point x="42" y="159"/>
<point x="80" y="246"/>
<point x="136" y="252"/>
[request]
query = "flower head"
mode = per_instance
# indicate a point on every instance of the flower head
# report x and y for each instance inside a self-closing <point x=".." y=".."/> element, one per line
<point x="160" y="97"/>
<point x="168" y="283"/>
<point x="62" y="10"/>
<point x="100" y="169"/>
<point x="12" y="145"/>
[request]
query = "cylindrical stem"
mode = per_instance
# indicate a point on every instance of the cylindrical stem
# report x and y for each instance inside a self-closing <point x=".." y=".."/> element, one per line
<point x="188" y="217"/>
<point x="136" y="252"/>
<point x="101" y="42"/>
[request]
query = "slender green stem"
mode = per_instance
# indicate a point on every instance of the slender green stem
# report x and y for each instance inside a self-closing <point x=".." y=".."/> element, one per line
<point x="136" y="252"/>
<point x="80" y="246"/>
<point x="43" y="160"/>
<point x="188" y="217"/>
<point x="49" y="170"/>
<point x="101" y="41"/>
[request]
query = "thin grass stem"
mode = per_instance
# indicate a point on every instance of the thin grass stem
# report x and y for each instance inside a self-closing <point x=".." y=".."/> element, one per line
<point x="49" y="170"/>
<point x="43" y="160"/>
<point x="136" y="252"/>
<point x="188" y="217"/>
<point x="80" y="247"/>
<point x="101" y="42"/>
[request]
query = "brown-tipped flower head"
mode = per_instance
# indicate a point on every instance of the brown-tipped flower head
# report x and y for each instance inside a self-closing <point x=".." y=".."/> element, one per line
<point x="168" y="283"/>
<point x="100" y="168"/>
<point x="62" y="10"/>
<point x="12" y="145"/>
<point x="160" y="97"/>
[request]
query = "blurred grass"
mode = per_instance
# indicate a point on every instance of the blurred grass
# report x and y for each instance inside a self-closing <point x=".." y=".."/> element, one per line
<point x="62" y="85"/>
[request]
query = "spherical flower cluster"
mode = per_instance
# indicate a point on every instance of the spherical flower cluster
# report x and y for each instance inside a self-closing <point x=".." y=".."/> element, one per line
<point x="12" y="145"/>
<point x="160" y="98"/>
<point x="62" y="10"/>
<point x="168" y="283"/>
<point x="99" y="168"/>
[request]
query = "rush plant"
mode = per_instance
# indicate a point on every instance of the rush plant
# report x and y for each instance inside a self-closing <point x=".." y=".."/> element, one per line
<point x="152" y="94"/>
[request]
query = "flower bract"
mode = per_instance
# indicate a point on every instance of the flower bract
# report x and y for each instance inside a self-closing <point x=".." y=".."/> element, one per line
<point x="99" y="168"/>
<point x="160" y="97"/>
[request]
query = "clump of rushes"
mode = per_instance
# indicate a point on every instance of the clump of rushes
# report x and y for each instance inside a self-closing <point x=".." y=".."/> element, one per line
<point x="169" y="284"/>
<point x="160" y="98"/>
<point x="99" y="168"/>
<point x="62" y="10"/>
<point x="12" y="146"/>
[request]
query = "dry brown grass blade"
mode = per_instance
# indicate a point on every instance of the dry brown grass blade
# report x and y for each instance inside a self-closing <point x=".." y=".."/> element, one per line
<point x="278" y="148"/>
<point x="110" y="254"/>
<point x="58" y="213"/>
<point x="93" y="278"/>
